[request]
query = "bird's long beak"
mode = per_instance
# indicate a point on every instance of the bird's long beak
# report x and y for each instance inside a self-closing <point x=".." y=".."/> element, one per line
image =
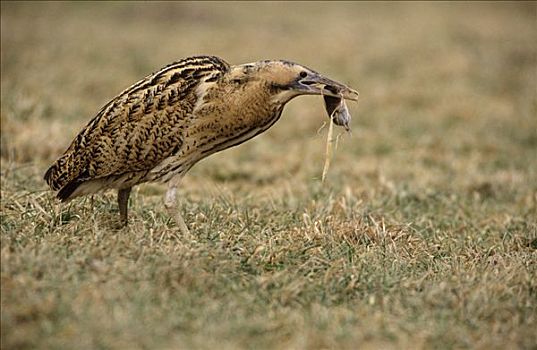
<point x="316" y="84"/>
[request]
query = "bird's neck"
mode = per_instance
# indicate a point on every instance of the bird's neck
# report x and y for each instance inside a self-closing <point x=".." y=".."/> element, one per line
<point x="233" y="119"/>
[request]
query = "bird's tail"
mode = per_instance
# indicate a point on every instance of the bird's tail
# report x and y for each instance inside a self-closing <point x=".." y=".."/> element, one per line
<point x="51" y="176"/>
<point x="61" y="177"/>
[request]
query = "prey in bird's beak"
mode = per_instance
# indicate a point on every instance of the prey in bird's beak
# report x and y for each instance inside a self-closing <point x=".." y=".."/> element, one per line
<point x="334" y="95"/>
<point x="337" y="111"/>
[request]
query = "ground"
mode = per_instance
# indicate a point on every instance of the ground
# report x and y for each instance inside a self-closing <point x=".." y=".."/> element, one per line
<point x="424" y="234"/>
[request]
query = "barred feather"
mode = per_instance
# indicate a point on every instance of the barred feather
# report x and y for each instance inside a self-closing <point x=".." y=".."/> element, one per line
<point x="138" y="129"/>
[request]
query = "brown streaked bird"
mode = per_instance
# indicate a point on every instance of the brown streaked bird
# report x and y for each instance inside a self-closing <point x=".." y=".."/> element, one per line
<point x="158" y="128"/>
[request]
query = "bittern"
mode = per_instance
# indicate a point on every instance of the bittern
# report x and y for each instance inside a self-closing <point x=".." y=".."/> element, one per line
<point x="158" y="128"/>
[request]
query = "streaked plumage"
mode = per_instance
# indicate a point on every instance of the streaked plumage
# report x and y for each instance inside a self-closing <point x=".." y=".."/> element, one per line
<point x="158" y="128"/>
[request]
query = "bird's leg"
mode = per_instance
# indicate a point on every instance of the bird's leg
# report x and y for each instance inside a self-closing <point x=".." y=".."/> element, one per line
<point x="123" y="201"/>
<point x="170" y="202"/>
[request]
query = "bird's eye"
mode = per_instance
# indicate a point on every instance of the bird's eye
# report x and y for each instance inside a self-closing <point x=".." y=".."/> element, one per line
<point x="303" y="74"/>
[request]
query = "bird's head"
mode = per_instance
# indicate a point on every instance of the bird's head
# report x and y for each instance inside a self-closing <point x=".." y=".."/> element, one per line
<point x="287" y="80"/>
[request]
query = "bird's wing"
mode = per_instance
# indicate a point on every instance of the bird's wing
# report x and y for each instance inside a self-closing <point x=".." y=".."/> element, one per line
<point x="140" y="127"/>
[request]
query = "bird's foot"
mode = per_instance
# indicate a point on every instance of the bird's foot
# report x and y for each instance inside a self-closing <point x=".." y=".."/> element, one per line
<point x="170" y="202"/>
<point x="182" y="226"/>
<point x="174" y="212"/>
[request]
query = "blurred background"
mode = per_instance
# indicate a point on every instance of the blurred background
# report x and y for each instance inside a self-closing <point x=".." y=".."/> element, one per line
<point x="448" y="90"/>
<point x="423" y="235"/>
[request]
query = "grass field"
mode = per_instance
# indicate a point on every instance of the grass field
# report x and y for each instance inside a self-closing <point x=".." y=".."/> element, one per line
<point x="424" y="235"/>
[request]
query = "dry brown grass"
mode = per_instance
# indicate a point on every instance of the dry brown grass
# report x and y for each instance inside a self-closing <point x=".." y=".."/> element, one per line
<point x="423" y="236"/>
